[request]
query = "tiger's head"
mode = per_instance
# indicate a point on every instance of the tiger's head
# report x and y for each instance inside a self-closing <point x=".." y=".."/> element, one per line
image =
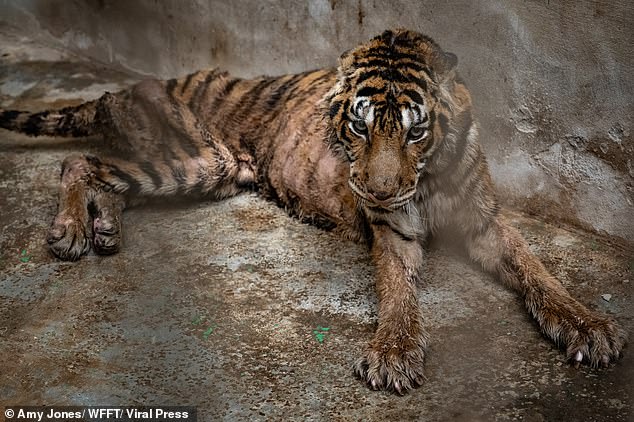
<point x="390" y="110"/>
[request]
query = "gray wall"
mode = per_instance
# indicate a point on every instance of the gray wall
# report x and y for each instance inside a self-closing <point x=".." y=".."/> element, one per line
<point x="552" y="80"/>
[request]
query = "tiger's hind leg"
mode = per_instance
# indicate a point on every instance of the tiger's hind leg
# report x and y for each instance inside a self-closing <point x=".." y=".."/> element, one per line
<point x="106" y="211"/>
<point x="87" y="213"/>
<point x="70" y="232"/>
<point x="94" y="191"/>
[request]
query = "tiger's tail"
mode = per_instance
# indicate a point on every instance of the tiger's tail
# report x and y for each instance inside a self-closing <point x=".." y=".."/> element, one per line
<point x="67" y="122"/>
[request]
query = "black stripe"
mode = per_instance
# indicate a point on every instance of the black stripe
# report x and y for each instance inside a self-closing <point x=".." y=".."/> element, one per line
<point x="380" y="114"/>
<point x="170" y="87"/>
<point x="346" y="105"/>
<point x="188" y="80"/>
<point x="169" y="151"/>
<point x="133" y="185"/>
<point x="279" y="92"/>
<point x="68" y="125"/>
<point x="275" y="112"/>
<point x="180" y="176"/>
<point x="290" y="84"/>
<point x="425" y="118"/>
<point x="368" y="91"/>
<point x="245" y="145"/>
<point x="392" y="75"/>
<point x="201" y="89"/>
<point x="349" y="153"/>
<point x="346" y="143"/>
<point x="394" y="54"/>
<point x="200" y="183"/>
<point x="389" y="63"/>
<point x="374" y="62"/>
<point x="8" y="119"/>
<point x="276" y="96"/>
<point x="150" y="170"/>
<point x="343" y="135"/>
<point x="443" y="121"/>
<point x="314" y="87"/>
<point x="323" y="78"/>
<point x="92" y="160"/>
<point x="369" y="75"/>
<point x="188" y="143"/>
<point x="422" y="83"/>
<point x="220" y="96"/>
<point x="33" y="125"/>
<point x="250" y="98"/>
<point x="334" y="109"/>
<point x="321" y="222"/>
<point x="462" y="123"/>
<point x="415" y="96"/>
<point x="296" y="79"/>
<point x="432" y="117"/>
<point x="254" y="93"/>
<point x="432" y="120"/>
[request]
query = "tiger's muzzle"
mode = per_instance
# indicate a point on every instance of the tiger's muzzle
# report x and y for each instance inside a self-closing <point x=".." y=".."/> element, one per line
<point x="381" y="202"/>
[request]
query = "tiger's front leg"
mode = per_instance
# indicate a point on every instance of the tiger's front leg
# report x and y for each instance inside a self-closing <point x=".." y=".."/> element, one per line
<point x="394" y="358"/>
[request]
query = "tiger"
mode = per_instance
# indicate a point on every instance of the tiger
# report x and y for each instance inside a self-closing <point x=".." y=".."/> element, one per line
<point x="383" y="149"/>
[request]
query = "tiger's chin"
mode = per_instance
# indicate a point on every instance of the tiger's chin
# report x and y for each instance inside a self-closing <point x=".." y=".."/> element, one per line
<point x="406" y="219"/>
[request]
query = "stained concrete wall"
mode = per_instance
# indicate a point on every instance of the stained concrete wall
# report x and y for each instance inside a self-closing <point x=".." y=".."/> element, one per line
<point x="552" y="80"/>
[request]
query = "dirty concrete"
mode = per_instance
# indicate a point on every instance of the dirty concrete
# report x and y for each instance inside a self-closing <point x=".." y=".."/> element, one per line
<point x="553" y="81"/>
<point x="223" y="305"/>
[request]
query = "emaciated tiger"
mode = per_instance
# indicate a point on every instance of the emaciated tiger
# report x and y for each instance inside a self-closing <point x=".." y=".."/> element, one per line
<point x="384" y="148"/>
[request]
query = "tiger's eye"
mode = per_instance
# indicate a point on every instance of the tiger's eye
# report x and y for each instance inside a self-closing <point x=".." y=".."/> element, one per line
<point x="417" y="133"/>
<point x="360" y="127"/>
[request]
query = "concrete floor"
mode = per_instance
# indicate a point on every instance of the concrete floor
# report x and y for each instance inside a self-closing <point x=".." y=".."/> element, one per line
<point x="223" y="305"/>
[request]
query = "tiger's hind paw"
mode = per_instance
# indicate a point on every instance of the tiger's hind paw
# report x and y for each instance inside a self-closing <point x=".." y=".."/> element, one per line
<point x="69" y="237"/>
<point x="107" y="233"/>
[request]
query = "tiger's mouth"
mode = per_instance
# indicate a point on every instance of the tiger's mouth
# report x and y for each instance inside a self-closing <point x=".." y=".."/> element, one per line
<point x="393" y="203"/>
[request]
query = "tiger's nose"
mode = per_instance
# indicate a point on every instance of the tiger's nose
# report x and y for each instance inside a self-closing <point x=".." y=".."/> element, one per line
<point x="381" y="187"/>
<point x="380" y="195"/>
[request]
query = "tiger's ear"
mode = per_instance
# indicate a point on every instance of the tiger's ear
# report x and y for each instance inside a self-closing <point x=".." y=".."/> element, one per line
<point x="345" y="61"/>
<point x="448" y="64"/>
<point x="451" y="60"/>
<point x="344" y="70"/>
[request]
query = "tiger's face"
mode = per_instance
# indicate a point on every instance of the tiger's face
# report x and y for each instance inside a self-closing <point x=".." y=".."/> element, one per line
<point x="388" y="115"/>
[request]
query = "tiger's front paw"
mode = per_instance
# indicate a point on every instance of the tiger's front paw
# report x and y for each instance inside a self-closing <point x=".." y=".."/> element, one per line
<point x="107" y="233"/>
<point x="68" y="236"/>
<point x="594" y="340"/>
<point x="394" y="367"/>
